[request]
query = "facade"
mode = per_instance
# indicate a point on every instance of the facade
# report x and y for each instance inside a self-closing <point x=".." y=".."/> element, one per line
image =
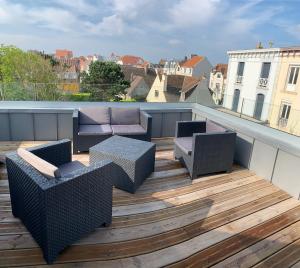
<point x="217" y="82"/>
<point x="196" y="66"/>
<point x="176" y="88"/>
<point x="198" y="93"/>
<point x="251" y="81"/>
<point x="286" y="101"/>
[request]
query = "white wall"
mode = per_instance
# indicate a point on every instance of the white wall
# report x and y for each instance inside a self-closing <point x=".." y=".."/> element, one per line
<point x="249" y="87"/>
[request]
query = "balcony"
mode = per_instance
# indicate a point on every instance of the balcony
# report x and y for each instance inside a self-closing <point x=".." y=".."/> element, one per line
<point x="263" y="82"/>
<point x="250" y="216"/>
<point x="239" y="79"/>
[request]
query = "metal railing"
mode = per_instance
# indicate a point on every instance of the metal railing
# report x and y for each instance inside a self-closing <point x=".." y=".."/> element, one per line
<point x="239" y="79"/>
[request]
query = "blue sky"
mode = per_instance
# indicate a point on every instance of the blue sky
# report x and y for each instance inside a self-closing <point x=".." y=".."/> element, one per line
<point x="152" y="29"/>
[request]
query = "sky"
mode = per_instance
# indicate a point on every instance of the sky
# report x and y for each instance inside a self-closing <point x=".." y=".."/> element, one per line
<point x="152" y="29"/>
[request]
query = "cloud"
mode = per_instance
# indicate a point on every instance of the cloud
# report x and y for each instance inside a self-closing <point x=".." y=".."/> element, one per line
<point x="187" y="13"/>
<point x="111" y="25"/>
<point x="174" y="42"/>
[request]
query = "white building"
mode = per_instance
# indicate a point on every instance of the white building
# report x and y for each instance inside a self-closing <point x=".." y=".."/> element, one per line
<point x="251" y="81"/>
<point x="217" y="82"/>
<point x="196" y="66"/>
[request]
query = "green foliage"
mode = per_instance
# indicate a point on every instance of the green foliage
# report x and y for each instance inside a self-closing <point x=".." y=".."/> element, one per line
<point x="26" y="76"/>
<point x="128" y="100"/>
<point x="78" y="97"/>
<point x="105" y="81"/>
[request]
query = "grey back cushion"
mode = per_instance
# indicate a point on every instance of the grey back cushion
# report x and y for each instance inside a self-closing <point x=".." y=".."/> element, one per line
<point x="125" y="116"/>
<point x="47" y="169"/>
<point x="94" y="116"/>
<point x="213" y="127"/>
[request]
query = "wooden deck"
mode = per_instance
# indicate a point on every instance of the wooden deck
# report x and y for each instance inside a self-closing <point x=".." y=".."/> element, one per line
<point x="222" y="220"/>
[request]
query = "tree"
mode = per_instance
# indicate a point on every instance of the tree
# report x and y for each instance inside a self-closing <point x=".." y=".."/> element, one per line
<point x="105" y="81"/>
<point x="26" y="76"/>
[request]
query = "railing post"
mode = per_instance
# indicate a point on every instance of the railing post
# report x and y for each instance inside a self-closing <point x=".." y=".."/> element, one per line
<point x="242" y="107"/>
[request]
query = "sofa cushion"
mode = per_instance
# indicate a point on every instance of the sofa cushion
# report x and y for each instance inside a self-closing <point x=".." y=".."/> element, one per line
<point x="128" y="130"/>
<point x="68" y="168"/>
<point x="185" y="144"/>
<point x="213" y="127"/>
<point x="47" y="169"/>
<point x="125" y="116"/>
<point x="94" y="116"/>
<point x="85" y="130"/>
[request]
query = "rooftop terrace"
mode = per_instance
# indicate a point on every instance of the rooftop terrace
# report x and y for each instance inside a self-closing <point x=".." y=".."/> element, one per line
<point x="236" y="219"/>
<point x="250" y="217"/>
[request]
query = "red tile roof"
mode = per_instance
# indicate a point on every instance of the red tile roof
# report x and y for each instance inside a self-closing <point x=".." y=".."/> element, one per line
<point x="221" y="67"/>
<point x="132" y="60"/>
<point x="192" y="62"/>
<point x="63" y="53"/>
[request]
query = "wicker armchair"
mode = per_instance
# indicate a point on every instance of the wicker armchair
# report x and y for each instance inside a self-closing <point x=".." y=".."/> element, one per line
<point x="58" y="212"/>
<point x="204" y="147"/>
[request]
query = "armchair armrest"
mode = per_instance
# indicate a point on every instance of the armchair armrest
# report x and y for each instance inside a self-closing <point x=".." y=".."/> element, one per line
<point x="75" y="118"/>
<point x="146" y="123"/>
<point x="56" y="153"/>
<point x="145" y="118"/>
<point x="188" y="128"/>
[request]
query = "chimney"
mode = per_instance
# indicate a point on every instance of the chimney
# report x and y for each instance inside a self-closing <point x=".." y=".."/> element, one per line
<point x="146" y="69"/>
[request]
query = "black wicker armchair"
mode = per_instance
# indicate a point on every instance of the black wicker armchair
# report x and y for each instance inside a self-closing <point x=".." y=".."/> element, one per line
<point x="204" y="147"/>
<point x="92" y="125"/>
<point x="58" y="212"/>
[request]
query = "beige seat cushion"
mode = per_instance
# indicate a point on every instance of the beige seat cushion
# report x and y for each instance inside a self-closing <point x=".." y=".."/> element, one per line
<point x="48" y="170"/>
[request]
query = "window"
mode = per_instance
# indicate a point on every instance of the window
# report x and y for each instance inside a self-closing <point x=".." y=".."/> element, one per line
<point x="218" y="75"/>
<point x="293" y="75"/>
<point x="240" y="70"/>
<point x="285" y="111"/>
<point x="265" y="70"/>
<point x="156" y="93"/>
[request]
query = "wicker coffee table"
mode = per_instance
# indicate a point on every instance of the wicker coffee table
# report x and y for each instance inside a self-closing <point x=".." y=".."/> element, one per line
<point x="134" y="157"/>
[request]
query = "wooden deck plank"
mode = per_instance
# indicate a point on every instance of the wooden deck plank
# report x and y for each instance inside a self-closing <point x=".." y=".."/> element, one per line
<point x="261" y="250"/>
<point x="219" y="219"/>
<point x="286" y="257"/>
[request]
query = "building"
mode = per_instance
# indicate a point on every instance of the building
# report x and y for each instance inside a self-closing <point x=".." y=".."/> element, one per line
<point x="141" y="80"/>
<point x="217" y="82"/>
<point x="171" y="67"/>
<point x="285" y="113"/>
<point x="196" y="66"/>
<point x="251" y="81"/>
<point x="176" y="88"/>
<point x="197" y="91"/>
<point x="132" y="61"/>
<point x="63" y="54"/>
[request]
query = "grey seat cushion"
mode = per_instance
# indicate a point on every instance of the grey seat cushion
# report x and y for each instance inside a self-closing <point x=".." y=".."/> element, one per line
<point x="94" y="116"/>
<point x="213" y="127"/>
<point x="128" y="130"/>
<point x="125" y="116"/>
<point x="47" y="169"/>
<point x="70" y="167"/>
<point x="85" y="130"/>
<point x="185" y="144"/>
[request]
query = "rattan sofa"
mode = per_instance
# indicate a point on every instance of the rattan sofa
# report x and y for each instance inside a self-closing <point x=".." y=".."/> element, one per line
<point x="204" y="147"/>
<point x="57" y="212"/>
<point x="92" y="125"/>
